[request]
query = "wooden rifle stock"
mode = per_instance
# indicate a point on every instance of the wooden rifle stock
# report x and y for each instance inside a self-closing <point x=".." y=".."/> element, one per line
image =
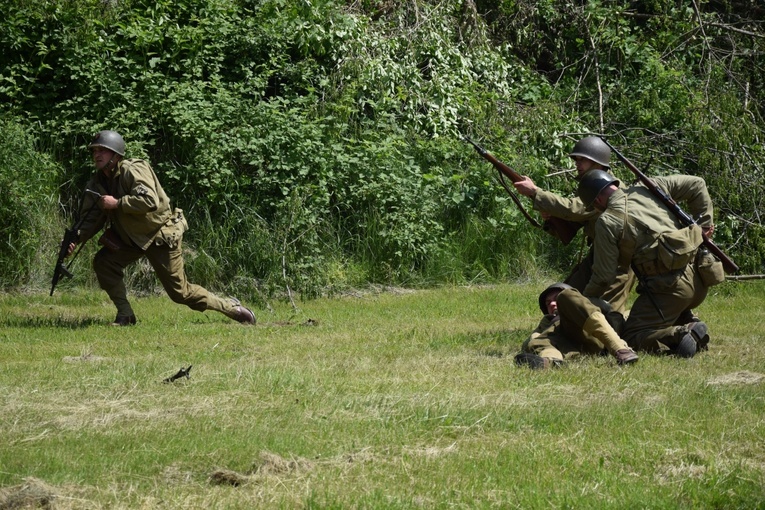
<point x="562" y="229"/>
<point x="728" y="264"/>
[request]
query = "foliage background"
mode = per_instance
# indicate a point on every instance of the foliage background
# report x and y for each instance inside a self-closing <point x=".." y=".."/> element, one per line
<point x="317" y="145"/>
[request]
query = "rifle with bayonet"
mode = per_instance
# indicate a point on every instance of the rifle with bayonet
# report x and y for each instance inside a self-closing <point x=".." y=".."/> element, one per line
<point x="728" y="264"/>
<point x="71" y="235"/>
<point x="564" y="230"/>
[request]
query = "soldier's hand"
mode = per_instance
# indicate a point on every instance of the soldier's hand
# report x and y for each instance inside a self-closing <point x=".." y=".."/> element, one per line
<point x="708" y="231"/>
<point x="526" y="186"/>
<point x="108" y="202"/>
<point x="71" y="249"/>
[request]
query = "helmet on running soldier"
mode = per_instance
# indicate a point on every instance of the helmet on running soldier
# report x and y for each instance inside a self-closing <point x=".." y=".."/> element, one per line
<point x="108" y="139"/>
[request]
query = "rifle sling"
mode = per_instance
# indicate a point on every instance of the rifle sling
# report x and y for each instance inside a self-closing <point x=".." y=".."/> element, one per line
<point x="517" y="201"/>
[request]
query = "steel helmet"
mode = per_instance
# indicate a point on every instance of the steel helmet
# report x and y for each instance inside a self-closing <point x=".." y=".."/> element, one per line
<point x="554" y="286"/>
<point x="592" y="183"/>
<point x="111" y="140"/>
<point x="592" y="147"/>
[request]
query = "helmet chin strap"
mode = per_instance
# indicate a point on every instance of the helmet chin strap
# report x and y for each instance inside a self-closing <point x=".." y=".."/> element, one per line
<point x="110" y="165"/>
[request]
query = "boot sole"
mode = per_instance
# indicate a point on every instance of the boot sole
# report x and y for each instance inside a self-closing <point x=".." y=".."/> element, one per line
<point x="700" y="334"/>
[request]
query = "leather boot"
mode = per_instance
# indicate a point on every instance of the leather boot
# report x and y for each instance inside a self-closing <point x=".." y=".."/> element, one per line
<point x="124" y="320"/>
<point x="241" y="314"/>
<point x="691" y="338"/>
<point x="536" y="362"/>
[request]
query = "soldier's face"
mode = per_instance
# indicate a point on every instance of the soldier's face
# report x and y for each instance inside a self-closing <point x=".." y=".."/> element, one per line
<point x="102" y="157"/>
<point x="584" y="165"/>
<point x="551" y="302"/>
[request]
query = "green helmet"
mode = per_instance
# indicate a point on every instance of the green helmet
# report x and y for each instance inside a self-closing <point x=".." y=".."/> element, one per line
<point x="111" y="140"/>
<point x="592" y="183"/>
<point x="555" y="286"/>
<point x="592" y="147"/>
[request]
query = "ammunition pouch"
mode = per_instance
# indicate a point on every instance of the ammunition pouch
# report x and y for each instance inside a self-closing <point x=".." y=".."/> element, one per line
<point x="709" y="268"/>
<point x="677" y="248"/>
<point x="172" y="231"/>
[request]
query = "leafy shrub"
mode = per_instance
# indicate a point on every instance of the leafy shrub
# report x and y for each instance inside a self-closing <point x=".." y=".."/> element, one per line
<point x="27" y="211"/>
<point x="318" y="144"/>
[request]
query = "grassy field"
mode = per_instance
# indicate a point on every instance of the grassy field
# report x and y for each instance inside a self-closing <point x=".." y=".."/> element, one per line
<point x="378" y="399"/>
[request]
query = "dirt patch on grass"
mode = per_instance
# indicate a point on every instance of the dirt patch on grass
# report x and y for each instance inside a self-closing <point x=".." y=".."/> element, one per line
<point x="268" y="464"/>
<point x="33" y="493"/>
<point x="433" y="451"/>
<point x="228" y="477"/>
<point x="743" y="377"/>
<point x="376" y="290"/>
<point x="175" y="474"/>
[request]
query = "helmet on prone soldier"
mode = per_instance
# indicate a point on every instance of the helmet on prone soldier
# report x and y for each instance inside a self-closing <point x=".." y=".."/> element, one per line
<point x="592" y="183"/>
<point x="559" y="286"/>
<point x="108" y="139"/>
<point x="593" y="148"/>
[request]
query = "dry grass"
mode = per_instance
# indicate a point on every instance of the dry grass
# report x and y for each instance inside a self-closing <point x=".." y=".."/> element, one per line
<point x="400" y="399"/>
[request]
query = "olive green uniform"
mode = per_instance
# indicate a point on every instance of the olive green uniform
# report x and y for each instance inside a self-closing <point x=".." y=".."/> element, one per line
<point x="148" y="227"/>
<point x="568" y="334"/>
<point x="572" y="209"/>
<point x="629" y="232"/>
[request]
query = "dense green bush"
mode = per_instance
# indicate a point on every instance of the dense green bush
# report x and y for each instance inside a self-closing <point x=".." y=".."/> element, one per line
<point x="27" y="184"/>
<point x="317" y="145"/>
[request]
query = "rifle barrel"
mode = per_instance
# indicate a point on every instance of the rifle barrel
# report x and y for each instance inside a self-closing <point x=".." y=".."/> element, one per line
<point x="562" y="229"/>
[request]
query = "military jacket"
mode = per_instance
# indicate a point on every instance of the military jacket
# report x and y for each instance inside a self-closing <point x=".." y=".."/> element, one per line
<point x="628" y="231"/>
<point x="571" y="209"/>
<point x="549" y="322"/>
<point x="143" y="208"/>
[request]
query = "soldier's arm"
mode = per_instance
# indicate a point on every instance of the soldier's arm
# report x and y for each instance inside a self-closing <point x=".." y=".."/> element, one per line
<point x="571" y="209"/>
<point x="141" y="182"/>
<point x="546" y="323"/>
<point x="605" y="267"/>
<point x="691" y="193"/>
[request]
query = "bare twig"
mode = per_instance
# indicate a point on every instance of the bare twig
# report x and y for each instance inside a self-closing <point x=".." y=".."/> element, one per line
<point x="745" y="277"/>
<point x="737" y="30"/>
<point x="597" y="77"/>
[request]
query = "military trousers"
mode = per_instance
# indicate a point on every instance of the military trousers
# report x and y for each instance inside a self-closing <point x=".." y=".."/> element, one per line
<point x="617" y="295"/>
<point x="662" y="300"/>
<point x="167" y="262"/>
<point x="566" y="338"/>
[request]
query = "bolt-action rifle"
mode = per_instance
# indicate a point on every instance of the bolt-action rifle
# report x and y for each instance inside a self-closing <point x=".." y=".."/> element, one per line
<point x="728" y="264"/>
<point x="71" y="235"/>
<point x="564" y="230"/>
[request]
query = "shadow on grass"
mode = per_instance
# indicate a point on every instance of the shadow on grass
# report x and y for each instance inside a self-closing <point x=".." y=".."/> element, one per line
<point x="50" y="322"/>
<point x="494" y="343"/>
